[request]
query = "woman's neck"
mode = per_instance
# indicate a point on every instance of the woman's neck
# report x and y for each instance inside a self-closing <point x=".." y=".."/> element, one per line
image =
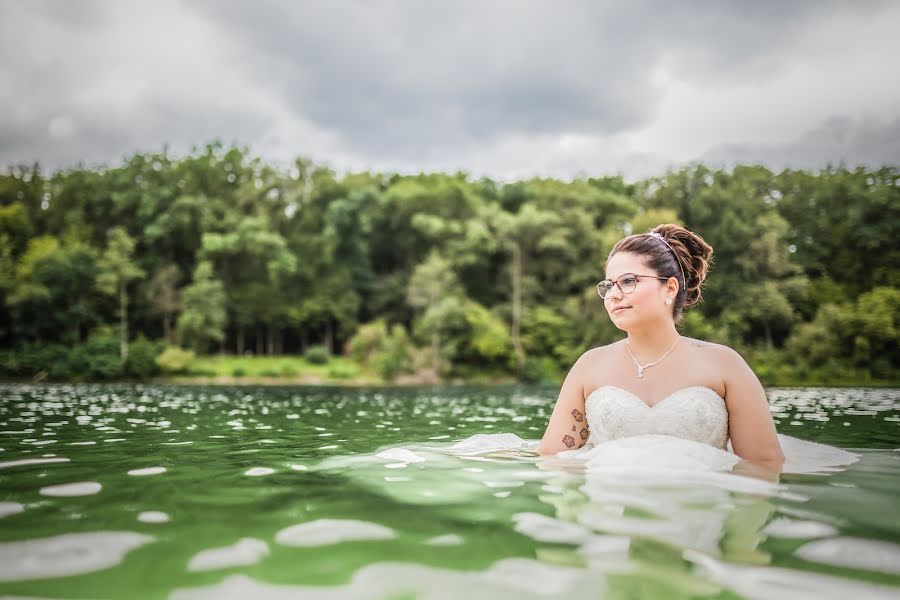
<point x="651" y="343"/>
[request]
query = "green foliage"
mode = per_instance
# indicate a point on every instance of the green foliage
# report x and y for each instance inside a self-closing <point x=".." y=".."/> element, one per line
<point x="218" y="250"/>
<point x="142" y="354"/>
<point x="388" y="354"/>
<point x="392" y="358"/>
<point x="317" y="355"/>
<point x="174" y="359"/>
<point x="203" y="319"/>
<point x="549" y="334"/>
<point x="116" y="265"/>
<point x="116" y="269"/>
<point x="98" y="358"/>
<point x="489" y="338"/>
<point x="694" y="324"/>
<point x="52" y="293"/>
<point x="863" y="334"/>
<point x="541" y="369"/>
<point x="815" y="343"/>
<point x="339" y="371"/>
<point x="368" y="339"/>
<point x="164" y="297"/>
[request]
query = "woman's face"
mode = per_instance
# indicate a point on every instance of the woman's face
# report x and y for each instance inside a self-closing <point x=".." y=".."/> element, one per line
<point x="647" y="303"/>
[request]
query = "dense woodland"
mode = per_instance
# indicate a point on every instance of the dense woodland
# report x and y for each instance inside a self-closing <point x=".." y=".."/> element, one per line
<point x="105" y="270"/>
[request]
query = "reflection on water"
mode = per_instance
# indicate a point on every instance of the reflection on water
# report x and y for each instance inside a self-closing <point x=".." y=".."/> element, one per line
<point x="157" y="492"/>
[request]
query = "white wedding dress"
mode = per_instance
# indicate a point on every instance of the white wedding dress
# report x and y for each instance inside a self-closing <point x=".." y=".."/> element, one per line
<point x="693" y="413"/>
<point x="688" y="429"/>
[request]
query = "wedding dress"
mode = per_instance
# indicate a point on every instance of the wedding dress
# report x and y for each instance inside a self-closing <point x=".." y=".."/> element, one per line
<point x="685" y="431"/>
<point x="693" y="413"/>
<point x="688" y="429"/>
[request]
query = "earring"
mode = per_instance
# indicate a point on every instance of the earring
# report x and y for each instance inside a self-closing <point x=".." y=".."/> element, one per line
<point x="668" y="301"/>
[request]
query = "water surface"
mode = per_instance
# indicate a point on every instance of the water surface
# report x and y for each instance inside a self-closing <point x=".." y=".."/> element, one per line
<point x="137" y="491"/>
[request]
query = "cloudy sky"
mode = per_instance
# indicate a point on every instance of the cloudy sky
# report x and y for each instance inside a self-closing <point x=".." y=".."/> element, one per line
<point x="500" y="88"/>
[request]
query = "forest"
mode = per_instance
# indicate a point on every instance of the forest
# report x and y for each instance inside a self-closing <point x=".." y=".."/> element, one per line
<point x="129" y="272"/>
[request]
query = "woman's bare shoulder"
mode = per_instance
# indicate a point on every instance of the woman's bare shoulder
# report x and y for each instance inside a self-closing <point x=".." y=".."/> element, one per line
<point x="593" y="356"/>
<point x="709" y="347"/>
<point x="724" y="357"/>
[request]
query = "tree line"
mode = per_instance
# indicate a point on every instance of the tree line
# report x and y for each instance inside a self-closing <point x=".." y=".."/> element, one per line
<point x="218" y="251"/>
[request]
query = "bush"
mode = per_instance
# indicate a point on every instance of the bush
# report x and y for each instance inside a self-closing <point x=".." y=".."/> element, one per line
<point x="97" y="359"/>
<point x="547" y="332"/>
<point x="238" y="372"/>
<point x="388" y="354"/>
<point x="30" y="359"/>
<point x="368" y="339"/>
<point x="540" y="369"/>
<point x="174" y="359"/>
<point x="142" y="354"/>
<point x="317" y="355"/>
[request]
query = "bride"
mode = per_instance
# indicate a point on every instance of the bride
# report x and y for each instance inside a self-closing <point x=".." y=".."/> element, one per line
<point x="656" y="381"/>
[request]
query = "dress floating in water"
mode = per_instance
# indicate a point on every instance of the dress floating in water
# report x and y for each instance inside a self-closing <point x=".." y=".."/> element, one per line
<point x="665" y="451"/>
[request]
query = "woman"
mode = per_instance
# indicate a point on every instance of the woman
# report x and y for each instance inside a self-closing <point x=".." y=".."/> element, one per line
<point x="656" y="381"/>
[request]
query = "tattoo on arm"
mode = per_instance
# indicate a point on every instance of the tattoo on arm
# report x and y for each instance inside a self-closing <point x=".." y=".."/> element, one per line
<point x="568" y="440"/>
<point x="584" y="435"/>
<point x="578" y="415"/>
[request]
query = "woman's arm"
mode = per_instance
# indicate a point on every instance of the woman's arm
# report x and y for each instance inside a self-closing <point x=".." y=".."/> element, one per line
<point x="750" y="424"/>
<point x="568" y="426"/>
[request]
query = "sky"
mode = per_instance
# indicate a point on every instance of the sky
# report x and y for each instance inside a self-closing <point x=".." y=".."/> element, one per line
<point x="505" y="89"/>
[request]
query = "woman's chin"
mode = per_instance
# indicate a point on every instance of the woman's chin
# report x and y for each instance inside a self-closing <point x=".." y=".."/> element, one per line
<point x="619" y="321"/>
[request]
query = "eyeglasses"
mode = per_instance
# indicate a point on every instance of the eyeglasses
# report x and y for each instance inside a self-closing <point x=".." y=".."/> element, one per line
<point x="626" y="283"/>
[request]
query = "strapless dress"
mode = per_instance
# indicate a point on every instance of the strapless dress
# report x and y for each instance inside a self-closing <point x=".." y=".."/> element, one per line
<point x="694" y="413"/>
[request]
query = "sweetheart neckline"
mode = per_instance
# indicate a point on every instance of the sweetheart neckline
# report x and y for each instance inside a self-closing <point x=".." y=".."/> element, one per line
<point x="652" y="406"/>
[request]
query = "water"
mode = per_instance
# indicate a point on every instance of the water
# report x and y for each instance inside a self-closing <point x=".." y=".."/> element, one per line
<point x="189" y="492"/>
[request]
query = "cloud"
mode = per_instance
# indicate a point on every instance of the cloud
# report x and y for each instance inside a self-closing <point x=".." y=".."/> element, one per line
<point x="501" y="88"/>
<point x="839" y="141"/>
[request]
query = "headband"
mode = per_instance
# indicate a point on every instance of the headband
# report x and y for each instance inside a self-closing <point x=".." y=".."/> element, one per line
<point x="658" y="236"/>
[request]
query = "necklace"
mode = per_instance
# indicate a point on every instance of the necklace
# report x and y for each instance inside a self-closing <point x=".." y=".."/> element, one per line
<point x="640" y="367"/>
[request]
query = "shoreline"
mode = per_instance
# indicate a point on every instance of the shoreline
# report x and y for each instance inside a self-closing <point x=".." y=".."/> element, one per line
<point x="311" y="380"/>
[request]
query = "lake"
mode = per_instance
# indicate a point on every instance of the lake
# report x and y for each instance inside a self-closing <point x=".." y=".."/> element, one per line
<point x="151" y="491"/>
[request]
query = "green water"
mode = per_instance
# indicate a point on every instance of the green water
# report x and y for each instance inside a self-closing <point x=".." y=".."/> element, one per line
<point x="220" y="492"/>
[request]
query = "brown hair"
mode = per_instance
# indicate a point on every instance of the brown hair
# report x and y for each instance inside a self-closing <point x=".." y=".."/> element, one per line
<point x="685" y="250"/>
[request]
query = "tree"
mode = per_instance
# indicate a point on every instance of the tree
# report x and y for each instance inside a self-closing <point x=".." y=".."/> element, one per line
<point x="522" y="234"/>
<point x="433" y="290"/>
<point x="202" y="319"/>
<point x="117" y="269"/>
<point x="165" y="299"/>
<point x="52" y="290"/>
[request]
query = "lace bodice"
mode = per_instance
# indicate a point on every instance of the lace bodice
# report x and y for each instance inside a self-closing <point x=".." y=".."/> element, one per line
<point x="695" y="413"/>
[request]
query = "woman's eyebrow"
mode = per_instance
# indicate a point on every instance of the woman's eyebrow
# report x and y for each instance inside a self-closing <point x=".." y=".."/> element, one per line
<point x="617" y="278"/>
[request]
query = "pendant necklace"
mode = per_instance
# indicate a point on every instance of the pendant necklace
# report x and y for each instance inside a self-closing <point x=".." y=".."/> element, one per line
<point x="640" y="367"/>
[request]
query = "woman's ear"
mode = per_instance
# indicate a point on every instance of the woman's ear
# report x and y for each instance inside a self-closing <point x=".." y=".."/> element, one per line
<point x="672" y="286"/>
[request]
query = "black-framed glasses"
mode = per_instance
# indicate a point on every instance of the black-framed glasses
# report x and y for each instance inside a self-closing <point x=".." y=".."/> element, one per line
<point x="626" y="283"/>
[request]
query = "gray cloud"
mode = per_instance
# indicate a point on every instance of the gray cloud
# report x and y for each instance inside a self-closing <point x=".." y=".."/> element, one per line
<point x="401" y="84"/>
<point x="397" y="76"/>
<point x="840" y="140"/>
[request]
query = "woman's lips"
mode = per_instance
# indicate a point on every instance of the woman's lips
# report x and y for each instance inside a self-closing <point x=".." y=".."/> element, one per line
<point x="619" y="309"/>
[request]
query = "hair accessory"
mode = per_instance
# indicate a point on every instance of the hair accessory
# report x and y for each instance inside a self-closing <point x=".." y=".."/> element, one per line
<point x="660" y="237"/>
